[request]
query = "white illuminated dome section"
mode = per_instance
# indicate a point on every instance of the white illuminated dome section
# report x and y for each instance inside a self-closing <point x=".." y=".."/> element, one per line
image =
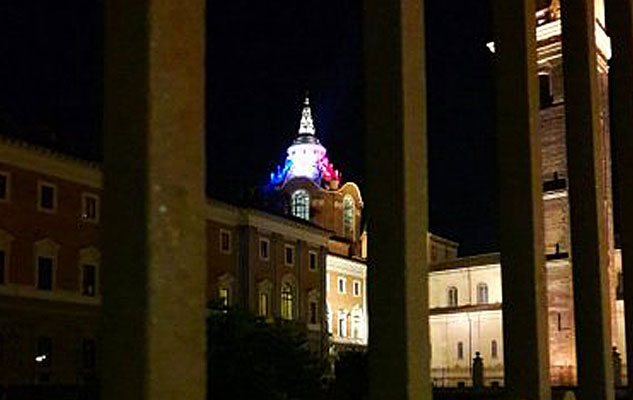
<point x="306" y="152"/>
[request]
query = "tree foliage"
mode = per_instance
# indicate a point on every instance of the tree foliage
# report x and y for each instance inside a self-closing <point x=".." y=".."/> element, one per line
<point x="249" y="358"/>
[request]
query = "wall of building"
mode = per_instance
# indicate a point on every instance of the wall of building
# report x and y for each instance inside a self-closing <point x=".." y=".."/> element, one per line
<point x="347" y="304"/>
<point x="64" y="316"/>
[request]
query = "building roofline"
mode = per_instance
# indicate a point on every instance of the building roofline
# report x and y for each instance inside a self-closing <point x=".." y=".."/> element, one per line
<point x="219" y="211"/>
<point x="470" y="261"/>
<point x="43" y="160"/>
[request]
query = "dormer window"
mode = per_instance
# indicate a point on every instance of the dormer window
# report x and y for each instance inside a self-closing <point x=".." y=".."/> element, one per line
<point x="348" y="216"/>
<point x="300" y="202"/>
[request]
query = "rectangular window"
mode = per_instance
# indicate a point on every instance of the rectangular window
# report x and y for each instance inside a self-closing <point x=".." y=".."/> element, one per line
<point x="224" y="297"/>
<point x="47" y="197"/>
<point x="357" y="288"/>
<point x="313" y="261"/>
<point x="44" y="356"/>
<point x="341" y="285"/>
<point x="460" y="350"/>
<point x="88" y="280"/>
<point x="290" y="255"/>
<point x="313" y="313"/>
<point x="45" y="273"/>
<point x="3" y="266"/>
<point x="494" y="350"/>
<point x="264" y="249"/>
<point x="263" y="305"/>
<point x="342" y="325"/>
<point x="225" y="241"/>
<point x="90" y="207"/>
<point x="4" y="186"/>
<point x="88" y="354"/>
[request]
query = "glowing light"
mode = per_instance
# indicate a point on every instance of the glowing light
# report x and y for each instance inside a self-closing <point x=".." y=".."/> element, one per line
<point x="278" y="177"/>
<point x="491" y="47"/>
<point x="306" y="156"/>
<point x="327" y="170"/>
<point x="306" y="126"/>
<point x="305" y="159"/>
<point x="40" y="358"/>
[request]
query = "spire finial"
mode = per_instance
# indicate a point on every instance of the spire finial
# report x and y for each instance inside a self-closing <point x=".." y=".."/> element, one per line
<point x="306" y="126"/>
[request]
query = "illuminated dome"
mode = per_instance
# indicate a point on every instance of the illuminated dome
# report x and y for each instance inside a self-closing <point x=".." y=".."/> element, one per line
<point x="307" y="158"/>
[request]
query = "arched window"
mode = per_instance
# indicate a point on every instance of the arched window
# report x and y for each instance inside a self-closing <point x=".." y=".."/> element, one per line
<point x="300" y="202"/>
<point x="494" y="349"/>
<point x="348" y="216"/>
<point x="452" y="296"/>
<point x="286" y="301"/>
<point x="482" y="293"/>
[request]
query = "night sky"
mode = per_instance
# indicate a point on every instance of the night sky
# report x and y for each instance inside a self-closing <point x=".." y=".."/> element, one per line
<point x="261" y="58"/>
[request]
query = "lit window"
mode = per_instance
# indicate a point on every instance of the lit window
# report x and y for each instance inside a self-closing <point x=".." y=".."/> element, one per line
<point x="225" y="241"/>
<point x="90" y="207"/>
<point x="289" y="255"/>
<point x="47" y="199"/>
<point x="356" y="324"/>
<point x="341" y="285"/>
<point x="263" y="304"/>
<point x="460" y="350"/>
<point x="313" y="261"/>
<point x="44" y="355"/>
<point x="313" y="313"/>
<point x="357" y="288"/>
<point x="452" y="296"/>
<point x="45" y="273"/>
<point x="342" y="323"/>
<point x="348" y="216"/>
<point x="482" y="293"/>
<point x="224" y="297"/>
<point x="88" y="280"/>
<point x="494" y="350"/>
<point x="264" y="249"/>
<point x="286" y="302"/>
<point x="4" y="186"/>
<point x="300" y="201"/>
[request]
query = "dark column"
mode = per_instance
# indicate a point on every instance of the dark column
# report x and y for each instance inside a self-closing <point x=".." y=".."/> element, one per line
<point x="525" y="332"/>
<point x="154" y="253"/>
<point x="395" y="99"/>
<point x="589" y="240"/>
<point x="619" y="15"/>
<point x="478" y="371"/>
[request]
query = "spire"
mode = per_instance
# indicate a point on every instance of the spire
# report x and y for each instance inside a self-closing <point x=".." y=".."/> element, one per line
<point x="306" y="126"/>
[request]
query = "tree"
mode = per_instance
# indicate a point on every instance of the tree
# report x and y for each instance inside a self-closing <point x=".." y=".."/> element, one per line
<point x="250" y="358"/>
<point x="352" y="376"/>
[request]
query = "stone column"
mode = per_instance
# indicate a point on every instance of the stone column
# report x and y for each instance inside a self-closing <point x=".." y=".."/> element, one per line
<point x="619" y="15"/>
<point x="395" y="117"/>
<point x="589" y="239"/>
<point x="525" y="328"/>
<point x="154" y="238"/>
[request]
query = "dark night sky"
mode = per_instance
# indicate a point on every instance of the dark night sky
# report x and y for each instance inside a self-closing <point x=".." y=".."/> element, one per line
<point x="262" y="56"/>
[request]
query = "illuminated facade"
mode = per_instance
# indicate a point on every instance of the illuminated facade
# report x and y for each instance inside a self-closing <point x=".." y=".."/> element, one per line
<point x="462" y="323"/>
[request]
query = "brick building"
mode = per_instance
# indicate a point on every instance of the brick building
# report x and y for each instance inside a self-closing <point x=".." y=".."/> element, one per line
<point x="49" y="265"/>
<point x="466" y="293"/>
